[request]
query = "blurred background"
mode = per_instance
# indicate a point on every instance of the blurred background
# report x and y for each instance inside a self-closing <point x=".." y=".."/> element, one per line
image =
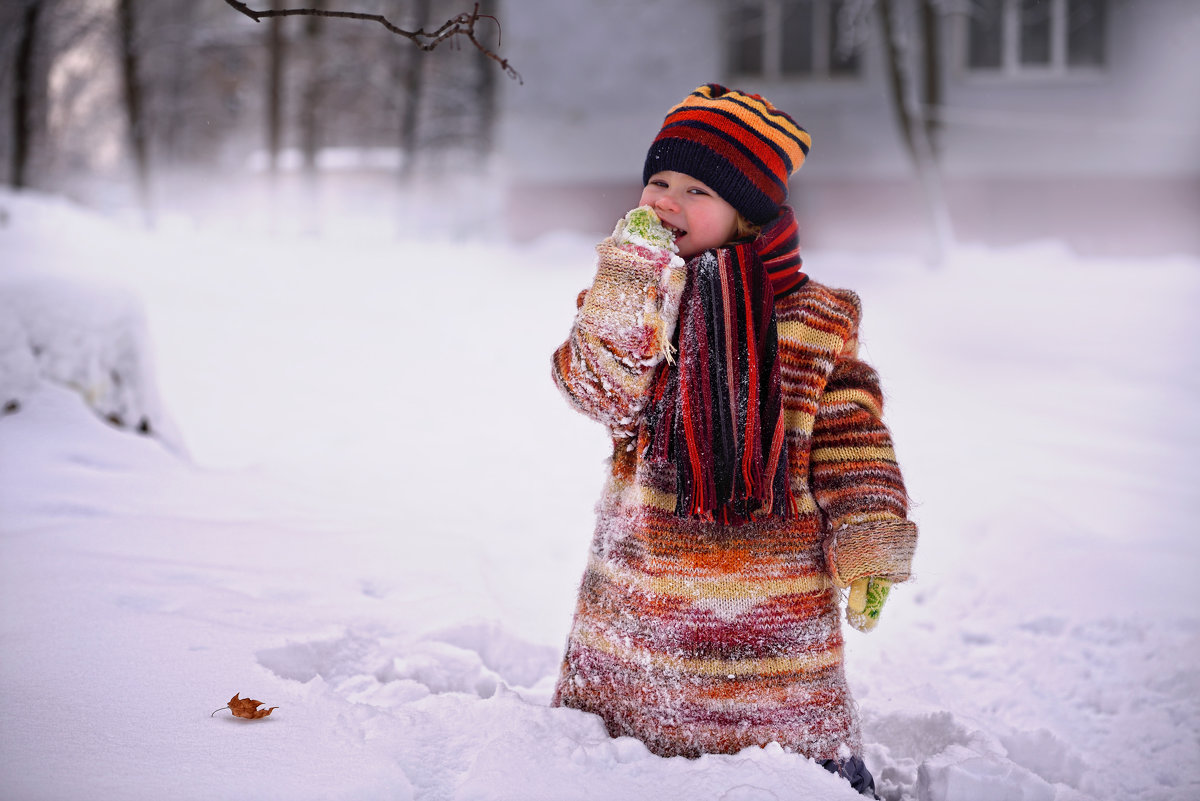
<point x="933" y="121"/>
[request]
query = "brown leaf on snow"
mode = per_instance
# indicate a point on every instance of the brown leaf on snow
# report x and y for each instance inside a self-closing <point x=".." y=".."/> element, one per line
<point x="247" y="708"/>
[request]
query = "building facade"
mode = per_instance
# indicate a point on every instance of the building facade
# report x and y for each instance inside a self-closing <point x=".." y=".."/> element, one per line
<point x="1076" y="120"/>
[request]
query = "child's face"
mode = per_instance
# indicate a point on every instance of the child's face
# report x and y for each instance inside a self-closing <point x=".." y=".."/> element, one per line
<point x="699" y="216"/>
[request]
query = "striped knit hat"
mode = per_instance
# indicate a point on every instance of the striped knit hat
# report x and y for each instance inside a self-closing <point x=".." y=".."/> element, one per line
<point x="737" y="143"/>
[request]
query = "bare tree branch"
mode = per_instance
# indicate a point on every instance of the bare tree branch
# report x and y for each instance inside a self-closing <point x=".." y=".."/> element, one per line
<point x="461" y="25"/>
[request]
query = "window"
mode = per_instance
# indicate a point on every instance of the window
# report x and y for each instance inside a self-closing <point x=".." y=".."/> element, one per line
<point x="1047" y="36"/>
<point x="776" y="39"/>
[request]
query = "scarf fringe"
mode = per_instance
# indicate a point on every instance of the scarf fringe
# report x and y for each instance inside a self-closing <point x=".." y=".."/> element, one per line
<point x="717" y="414"/>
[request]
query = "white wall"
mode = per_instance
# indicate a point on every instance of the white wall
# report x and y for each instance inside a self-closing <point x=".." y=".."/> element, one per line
<point x="1140" y="115"/>
<point x="599" y="78"/>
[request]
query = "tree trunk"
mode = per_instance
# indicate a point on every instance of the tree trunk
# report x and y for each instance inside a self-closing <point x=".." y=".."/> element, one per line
<point x="932" y="52"/>
<point x="23" y="95"/>
<point x="134" y="100"/>
<point x="903" y="90"/>
<point x="310" y="102"/>
<point x="413" y="83"/>
<point x="275" y="56"/>
<point x="310" y="119"/>
<point x="175" y="84"/>
<point x="486" y="91"/>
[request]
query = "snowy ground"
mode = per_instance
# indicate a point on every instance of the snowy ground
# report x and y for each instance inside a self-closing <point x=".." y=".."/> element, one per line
<point x="375" y="508"/>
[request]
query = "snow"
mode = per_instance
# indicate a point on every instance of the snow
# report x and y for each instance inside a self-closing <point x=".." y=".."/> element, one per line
<point x="642" y="227"/>
<point x="366" y="504"/>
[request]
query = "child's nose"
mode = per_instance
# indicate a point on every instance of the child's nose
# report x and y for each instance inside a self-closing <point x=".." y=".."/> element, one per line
<point x="667" y="203"/>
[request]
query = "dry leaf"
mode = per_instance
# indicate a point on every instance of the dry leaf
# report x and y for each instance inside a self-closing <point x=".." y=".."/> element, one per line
<point x="246" y="708"/>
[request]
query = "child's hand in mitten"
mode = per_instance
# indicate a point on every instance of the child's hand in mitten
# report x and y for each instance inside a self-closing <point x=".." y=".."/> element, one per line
<point x="634" y="300"/>
<point x="867" y="596"/>
<point x="868" y="558"/>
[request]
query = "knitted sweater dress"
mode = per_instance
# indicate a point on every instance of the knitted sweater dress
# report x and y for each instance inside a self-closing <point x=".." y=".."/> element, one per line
<point x="700" y="637"/>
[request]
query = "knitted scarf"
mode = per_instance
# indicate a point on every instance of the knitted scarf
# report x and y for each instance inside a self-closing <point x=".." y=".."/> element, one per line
<point x="717" y="416"/>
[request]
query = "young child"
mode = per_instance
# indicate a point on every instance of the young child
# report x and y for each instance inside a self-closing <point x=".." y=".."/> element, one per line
<point x="751" y="475"/>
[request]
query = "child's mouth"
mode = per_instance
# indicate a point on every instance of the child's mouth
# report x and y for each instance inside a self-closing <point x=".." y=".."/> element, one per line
<point x="678" y="232"/>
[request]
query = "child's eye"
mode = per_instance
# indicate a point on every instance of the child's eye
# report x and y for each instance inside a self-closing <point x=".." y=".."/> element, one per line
<point x="659" y="183"/>
<point x="695" y="190"/>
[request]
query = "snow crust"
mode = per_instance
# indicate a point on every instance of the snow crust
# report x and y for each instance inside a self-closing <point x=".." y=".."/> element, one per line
<point x="387" y="507"/>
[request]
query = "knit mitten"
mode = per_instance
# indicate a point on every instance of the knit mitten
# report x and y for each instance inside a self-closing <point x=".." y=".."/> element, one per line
<point x="867" y="596"/>
<point x="868" y="558"/>
<point x="880" y="549"/>
<point x="634" y="300"/>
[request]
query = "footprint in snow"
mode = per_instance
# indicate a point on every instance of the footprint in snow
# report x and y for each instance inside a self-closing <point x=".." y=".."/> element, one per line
<point x="475" y="659"/>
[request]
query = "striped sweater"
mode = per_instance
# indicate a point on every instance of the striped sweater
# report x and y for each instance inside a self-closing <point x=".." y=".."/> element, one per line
<point x="697" y="637"/>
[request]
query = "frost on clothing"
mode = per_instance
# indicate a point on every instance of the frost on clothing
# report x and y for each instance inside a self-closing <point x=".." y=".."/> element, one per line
<point x="699" y="637"/>
<point x="624" y="328"/>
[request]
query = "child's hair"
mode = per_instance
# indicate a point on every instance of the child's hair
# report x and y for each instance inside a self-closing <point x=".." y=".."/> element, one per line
<point x="744" y="229"/>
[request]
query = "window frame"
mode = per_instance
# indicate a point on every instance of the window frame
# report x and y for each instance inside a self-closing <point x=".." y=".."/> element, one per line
<point x="1011" y="67"/>
<point x="772" y="49"/>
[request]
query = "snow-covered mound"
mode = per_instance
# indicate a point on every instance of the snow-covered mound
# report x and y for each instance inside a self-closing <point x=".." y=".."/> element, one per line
<point x="86" y="334"/>
<point x="389" y="507"/>
<point x="89" y="338"/>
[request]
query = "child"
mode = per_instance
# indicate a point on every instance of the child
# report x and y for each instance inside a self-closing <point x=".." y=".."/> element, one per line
<point x="751" y="475"/>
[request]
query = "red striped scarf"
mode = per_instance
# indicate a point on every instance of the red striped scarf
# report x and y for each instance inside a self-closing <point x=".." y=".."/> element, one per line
<point x="717" y="415"/>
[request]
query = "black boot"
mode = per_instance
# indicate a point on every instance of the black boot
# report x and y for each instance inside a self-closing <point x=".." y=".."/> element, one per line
<point x="853" y="770"/>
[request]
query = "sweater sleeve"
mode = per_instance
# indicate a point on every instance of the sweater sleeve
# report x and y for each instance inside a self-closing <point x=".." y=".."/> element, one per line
<point x="621" y="334"/>
<point x="855" y="479"/>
